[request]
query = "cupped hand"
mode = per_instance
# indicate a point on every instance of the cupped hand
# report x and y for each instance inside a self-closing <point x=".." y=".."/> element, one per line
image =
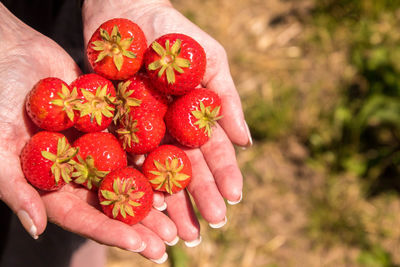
<point x="27" y="56"/>
<point x="215" y="171"/>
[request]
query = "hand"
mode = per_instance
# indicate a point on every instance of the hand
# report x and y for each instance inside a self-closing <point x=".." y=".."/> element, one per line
<point x="215" y="172"/>
<point x="26" y="56"/>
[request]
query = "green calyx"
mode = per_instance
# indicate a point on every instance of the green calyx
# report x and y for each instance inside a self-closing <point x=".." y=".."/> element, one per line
<point x="206" y="118"/>
<point x="86" y="171"/>
<point x="123" y="197"/>
<point x="168" y="175"/>
<point x="124" y="100"/>
<point x="169" y="61"/>
<point x="67" y="100"/>
<point x="127" y="131"/>
<point x="113" y="46"/>
<point x="97" y="105"/>
<point x="63" y="161"/>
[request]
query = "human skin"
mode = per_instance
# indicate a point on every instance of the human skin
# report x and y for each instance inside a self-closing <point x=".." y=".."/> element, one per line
<point x="216" y="175"/>
<point x="27" y="56"/>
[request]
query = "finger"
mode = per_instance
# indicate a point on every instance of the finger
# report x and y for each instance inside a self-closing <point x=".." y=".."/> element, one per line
<point x="161" y="225"/>
<point x="180" y="210"/>
<point x="219" y="79"/>
<point x="221" y="160"/>
<point x="204" y="191"/>
<point x="158" y="201"/>
<point x="155" y="249"/>
<point x="21" y="197"/>
<point x="71" y="213"/>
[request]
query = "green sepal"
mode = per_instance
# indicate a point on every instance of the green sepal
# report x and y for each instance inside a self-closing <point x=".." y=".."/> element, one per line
<point x="169" y="61"/>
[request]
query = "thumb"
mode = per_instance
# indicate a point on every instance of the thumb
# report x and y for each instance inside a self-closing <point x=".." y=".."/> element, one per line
<point x="21" y="197"/>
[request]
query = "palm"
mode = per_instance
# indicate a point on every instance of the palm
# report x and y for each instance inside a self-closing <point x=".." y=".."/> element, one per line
<point x="31" y="59"/>
<point x="72" y="207"/>
<point x="215" y="171"/>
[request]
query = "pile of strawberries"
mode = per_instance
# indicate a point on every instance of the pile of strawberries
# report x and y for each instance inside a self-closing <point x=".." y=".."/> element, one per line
<point x="135" y="96"/>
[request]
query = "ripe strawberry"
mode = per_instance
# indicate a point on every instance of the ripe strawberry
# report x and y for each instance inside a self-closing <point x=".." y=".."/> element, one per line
<point x="168" y="169"/>
<point x="175" y="63"/>
<point x="139" y="92"/>
<point x="190" y="118"/>
<point x="140" y="132"/>
<point x="99" y="153"/>
<point x="47" y="160"/>
<point x="126" y="195"/>
<point x="116" y="49"/>
<point x="95" y="111"/>
<point x="50" y="104"/>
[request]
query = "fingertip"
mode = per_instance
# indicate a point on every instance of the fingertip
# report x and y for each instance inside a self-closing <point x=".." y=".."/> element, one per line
<point x="172" y="242"/>
<point x="237" y="201"/>
<point x="158" y="201"/>
<point x="29" y="208"/>
<point x="219" y="224"/>
<point x="155" y="247"/>
<point x="161" y="225"/>
<point x="161" y="260"/>
<point x="194" y="242"/>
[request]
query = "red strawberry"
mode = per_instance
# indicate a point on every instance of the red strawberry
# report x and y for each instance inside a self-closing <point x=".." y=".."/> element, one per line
<point x="50" y="104"/>
<point x="168" y="169"/>
<point x="47" y="160"/>
<point x="99" y="153"/>
<point x="190" y="118"/>
<point x="175" y="63"/>
<point x="96" y="109"/>
<point x="140" y="132"/>
<point x="138" y="92"/>
<point x="126" y="195"/>
<point x="116" y="49"/>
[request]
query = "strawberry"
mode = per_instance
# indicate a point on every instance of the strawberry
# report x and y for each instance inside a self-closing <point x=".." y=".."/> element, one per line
<point x="126" y="195"/>
<point x="50" y="104"/>
<point x="116" y="49"/>
<point x="99" y="153"/>
<point x="140" y="132"/>
<point x="47" y="160"/>
<point x="190" y="118"/>
<point x="139" y="92"/>
<point x="168" y="169"/>
<point x="176" y="63"/>
<point x="95" y="111"/>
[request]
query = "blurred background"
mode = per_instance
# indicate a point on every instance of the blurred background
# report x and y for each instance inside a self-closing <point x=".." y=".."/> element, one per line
<point x="320" y="86"/>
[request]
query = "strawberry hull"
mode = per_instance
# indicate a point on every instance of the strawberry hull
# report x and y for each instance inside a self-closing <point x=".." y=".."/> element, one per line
<point x="126" y="195"/>
<point x="186" y="74"/>
<point x="181" y="120"/>
<point x="95" y="110"/>
<point x="141" y="132"/>
<point x="37" y="165"/>
<point x="168" y="169"/>
<point x="99" y="153"/>
<point x="42" y="106"/>
<point x="129" y="49"/>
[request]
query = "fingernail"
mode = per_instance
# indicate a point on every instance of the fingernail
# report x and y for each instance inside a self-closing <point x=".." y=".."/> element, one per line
<point x="220" y="224"/>
<point x="236" y="202"/>
<point x="173" y="242"/>
<point x="139" y="160"/>
<point x="193" y="243"/>
<point x="162" y="207"/>
<point x="250" y="139"/>
<point x="27" y="223"/>
<point x="161" y="260"/>
<point x="142" y="248"/>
